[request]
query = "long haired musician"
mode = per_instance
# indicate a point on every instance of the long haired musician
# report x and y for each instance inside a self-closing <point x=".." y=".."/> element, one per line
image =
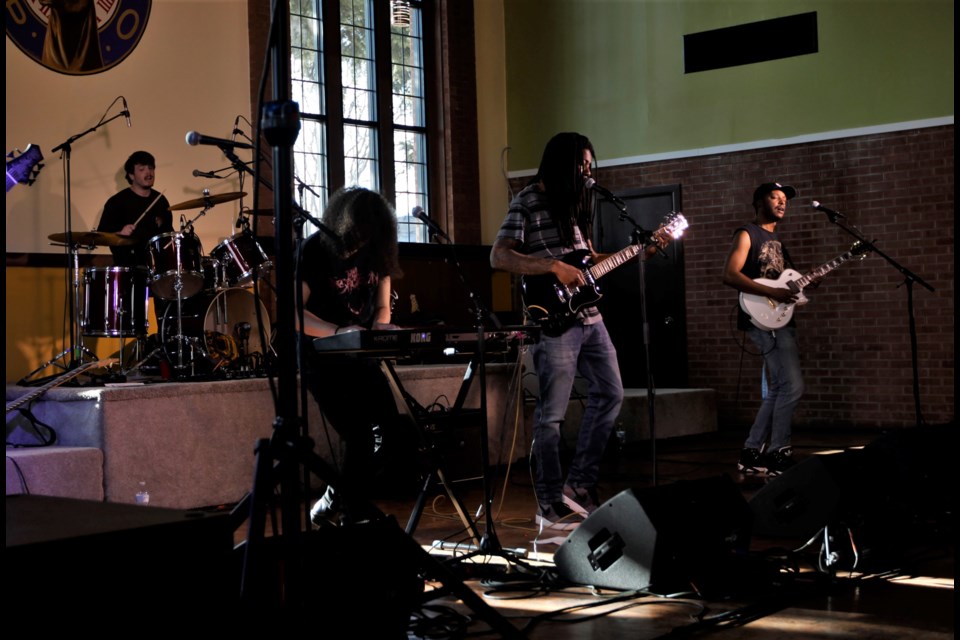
<point x="345" y="272"/>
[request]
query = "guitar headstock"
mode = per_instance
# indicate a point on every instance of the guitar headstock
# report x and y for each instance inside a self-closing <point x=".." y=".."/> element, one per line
<point x="672" y="227"/>
<point x="24" y="168"/>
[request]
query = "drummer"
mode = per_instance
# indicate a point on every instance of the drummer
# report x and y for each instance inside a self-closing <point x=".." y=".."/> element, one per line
<point x="138" y="211"/>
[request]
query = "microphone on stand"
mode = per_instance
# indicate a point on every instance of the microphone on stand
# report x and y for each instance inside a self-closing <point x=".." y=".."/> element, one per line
<point x="194" y="138"/>
<point x="421" y="215"/>
<point x="236" y="129"/>
<point x="591" y="184"/>
<point x="126" y="112"/>
<point x="206" y="174"/>
<point x="833" y="215"/>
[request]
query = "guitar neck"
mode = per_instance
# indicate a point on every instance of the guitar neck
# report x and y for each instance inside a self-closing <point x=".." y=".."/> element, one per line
<point x="611" y="262"/>
<point x="56" y="382"/>
<point x="823" y="269"/>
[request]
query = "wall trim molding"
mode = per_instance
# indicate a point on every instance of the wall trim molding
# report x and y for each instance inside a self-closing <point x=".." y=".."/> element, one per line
<point x="762" y="144"/>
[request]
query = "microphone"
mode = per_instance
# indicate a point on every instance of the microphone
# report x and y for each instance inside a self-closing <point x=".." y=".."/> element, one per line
<point x="236" y="130"/>
<point x="126" y="112"/>
<point x="206" y="174"/>
<point x="194" y="138"/>
<point x="421" y="215"/>
<point x="591" y="184"/>
<point x="830" y="212"/>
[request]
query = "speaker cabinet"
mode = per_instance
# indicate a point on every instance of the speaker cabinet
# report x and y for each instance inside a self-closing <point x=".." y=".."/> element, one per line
<point x="664" y="538"/>
<point x="84" y="557"/>
<point x="799" y="502"/>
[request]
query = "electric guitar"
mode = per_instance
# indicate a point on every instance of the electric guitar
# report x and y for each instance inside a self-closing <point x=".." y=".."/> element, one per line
<point x="554" y="306"/>
<point x="56" y="382"/>
<point x="767" y="313"/>
<point x="24" y="168"/>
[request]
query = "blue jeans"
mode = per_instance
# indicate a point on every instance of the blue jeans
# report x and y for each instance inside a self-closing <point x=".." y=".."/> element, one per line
<point x="784" y="387"/>
<point x="586" y="349"/>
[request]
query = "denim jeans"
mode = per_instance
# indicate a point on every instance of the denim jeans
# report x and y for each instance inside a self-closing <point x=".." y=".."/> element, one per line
<point x="784" y="387"/>
<point x="586" y="349"/>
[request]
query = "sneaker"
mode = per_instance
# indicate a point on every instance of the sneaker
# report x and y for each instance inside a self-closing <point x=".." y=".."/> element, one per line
<point x="327" y="510"/>
<point x="581" y="499"/>
<point x="557" y="517"/>
<point x="751" y="462"/>
<point x="779" y="461"/>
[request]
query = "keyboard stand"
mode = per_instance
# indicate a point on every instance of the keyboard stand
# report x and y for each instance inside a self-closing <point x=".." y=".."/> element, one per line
<point x="421" y="418"/>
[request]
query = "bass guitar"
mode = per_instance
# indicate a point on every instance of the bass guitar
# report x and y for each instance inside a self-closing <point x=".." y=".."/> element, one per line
<point x="56" y="382"/>
<point x="554" y="306"/>
<point x="767" y="313"/>
<point x="24" y="168"/>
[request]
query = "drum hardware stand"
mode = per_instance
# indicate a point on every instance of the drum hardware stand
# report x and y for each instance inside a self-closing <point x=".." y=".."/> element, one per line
<point x="76" y="350"/>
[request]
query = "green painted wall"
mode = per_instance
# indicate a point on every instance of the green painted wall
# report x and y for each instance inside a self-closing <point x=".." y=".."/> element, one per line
<point x="613" y="69"/>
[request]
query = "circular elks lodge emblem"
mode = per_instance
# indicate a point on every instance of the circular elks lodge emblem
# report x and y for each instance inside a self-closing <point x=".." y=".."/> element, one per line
<point x="77" y="37"/>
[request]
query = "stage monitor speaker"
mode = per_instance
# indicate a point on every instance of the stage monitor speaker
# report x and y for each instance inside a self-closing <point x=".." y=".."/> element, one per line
<point x="804" y="499"/>
<point x="672" y="537"/>
<point x="68" y="556"/>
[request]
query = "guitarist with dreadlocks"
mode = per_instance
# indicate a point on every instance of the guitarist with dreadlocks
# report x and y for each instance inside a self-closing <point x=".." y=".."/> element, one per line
<point x="549" y="218"/>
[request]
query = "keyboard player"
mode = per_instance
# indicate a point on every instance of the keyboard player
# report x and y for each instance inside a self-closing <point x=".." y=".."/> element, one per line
<point x="345" y="272"/>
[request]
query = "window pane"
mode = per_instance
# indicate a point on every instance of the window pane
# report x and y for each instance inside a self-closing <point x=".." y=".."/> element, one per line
<point x="406" y="46"/>
<point x="357" y="62"/>
<point x="306" y="56"/>
<point x="410" y="158"/>
<point x="310" y="169"/>
<point x="360" y="156"/>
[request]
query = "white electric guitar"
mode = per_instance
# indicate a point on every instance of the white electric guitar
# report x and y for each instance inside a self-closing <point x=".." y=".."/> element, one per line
<point x="771" y="315"/>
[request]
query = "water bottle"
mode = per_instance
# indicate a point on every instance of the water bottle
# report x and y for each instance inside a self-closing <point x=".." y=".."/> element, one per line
<point x="143" y="496"/>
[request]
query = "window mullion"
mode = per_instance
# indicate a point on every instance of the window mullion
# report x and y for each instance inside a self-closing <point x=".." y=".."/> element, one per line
<point x="334" y="93"/>
<point x="384" y="84"/>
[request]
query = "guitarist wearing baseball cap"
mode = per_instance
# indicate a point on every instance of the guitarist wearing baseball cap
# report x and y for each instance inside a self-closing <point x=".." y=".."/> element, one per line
<point x="757" y="254"/>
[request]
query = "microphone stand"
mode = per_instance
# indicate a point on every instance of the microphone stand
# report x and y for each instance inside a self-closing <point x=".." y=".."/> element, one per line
<point x="640" y="237"/>
<point x="279" y="459"/>
<point x="489" y="543"/>
<point x="909" y="279"/>
<point x="75" y="348"/>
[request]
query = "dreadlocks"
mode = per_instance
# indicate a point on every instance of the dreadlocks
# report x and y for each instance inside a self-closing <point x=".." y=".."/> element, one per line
<point x="561" y="174"/>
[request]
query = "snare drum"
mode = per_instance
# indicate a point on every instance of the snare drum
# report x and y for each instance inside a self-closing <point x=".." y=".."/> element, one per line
<point x="115" y="302"/>
<point x="241" y="256"/>
<point x="175" y="260"/>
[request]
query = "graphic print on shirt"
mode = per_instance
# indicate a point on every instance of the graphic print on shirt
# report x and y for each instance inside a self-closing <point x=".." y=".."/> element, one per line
<point x="771" y="259"/>
<point x="349" y="289"/>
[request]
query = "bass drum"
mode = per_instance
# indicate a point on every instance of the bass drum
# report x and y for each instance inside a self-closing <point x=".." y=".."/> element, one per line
<point x="218" y="331"/>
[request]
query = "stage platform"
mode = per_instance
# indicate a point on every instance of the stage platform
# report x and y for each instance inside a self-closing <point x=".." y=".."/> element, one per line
<point x="192" y="443"/>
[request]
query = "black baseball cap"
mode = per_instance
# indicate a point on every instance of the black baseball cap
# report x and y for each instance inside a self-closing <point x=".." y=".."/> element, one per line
<point x="767" y="187"/>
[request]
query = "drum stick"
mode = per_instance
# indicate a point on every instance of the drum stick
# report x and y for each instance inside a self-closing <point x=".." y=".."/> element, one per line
<point x="155" y="200"/>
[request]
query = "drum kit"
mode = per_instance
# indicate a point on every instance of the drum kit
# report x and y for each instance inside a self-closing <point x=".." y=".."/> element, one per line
<point x="211" y="318"/>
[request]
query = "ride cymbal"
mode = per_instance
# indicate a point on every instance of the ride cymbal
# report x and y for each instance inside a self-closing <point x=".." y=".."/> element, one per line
<point x="208" y="201"/>
<point x="96" y="238"/>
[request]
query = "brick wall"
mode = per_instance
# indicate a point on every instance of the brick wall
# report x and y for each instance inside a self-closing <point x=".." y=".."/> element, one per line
<point x="898" y="190"/>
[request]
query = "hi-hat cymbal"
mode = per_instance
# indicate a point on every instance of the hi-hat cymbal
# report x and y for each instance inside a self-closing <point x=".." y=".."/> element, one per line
<point x="96" y="238"/>
<point x="208" y="201"/>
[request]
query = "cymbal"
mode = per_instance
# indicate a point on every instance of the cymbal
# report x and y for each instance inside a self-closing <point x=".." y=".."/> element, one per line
<point x="97" y="238"/>
<point x="208" y="201"/>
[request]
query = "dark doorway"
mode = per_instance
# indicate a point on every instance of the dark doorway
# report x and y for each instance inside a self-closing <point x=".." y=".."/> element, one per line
<point x="621" y="302"/>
